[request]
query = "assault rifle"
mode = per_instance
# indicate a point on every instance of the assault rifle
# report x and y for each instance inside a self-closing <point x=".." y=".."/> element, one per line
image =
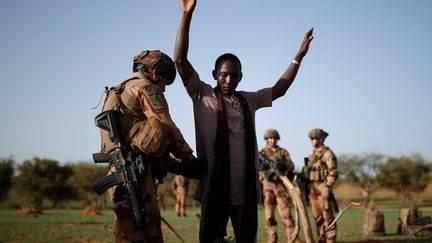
<point x="128" y="165"/>
<point x="271" y="167"/>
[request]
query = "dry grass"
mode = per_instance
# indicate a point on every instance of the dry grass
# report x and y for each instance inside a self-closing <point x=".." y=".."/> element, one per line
<point x="347" y="191"/>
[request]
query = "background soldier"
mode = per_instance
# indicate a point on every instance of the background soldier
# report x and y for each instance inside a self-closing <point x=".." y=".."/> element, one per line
<point x="180" y="186"/>
<point x="321" y="172"/>
<point x="140" y="99"/>
<point x="275" y="192"/>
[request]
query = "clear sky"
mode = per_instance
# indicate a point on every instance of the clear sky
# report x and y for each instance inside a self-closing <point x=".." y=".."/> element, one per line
<point x="366" y="79"/>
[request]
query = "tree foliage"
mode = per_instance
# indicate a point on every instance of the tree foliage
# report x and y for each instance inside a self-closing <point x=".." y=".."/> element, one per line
<point x="362" y="171"/>
<point x="40" y="179"/>
<point x="405" y="175"/>
<point x="6" y="174"/>
<point x="85" y="174"/>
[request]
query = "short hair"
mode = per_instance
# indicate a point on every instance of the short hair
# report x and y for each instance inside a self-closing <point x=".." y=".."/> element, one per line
<point x="224" y="57"/>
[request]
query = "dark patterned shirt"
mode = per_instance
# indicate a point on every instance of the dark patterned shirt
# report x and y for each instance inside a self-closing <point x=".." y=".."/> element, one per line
<point x="205" y="110"/>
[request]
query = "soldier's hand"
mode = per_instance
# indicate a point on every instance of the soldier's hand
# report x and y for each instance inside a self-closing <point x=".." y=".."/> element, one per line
<point x="194" y="168"/>
<point x="281" y="165"/>
<point x="264" y="166"/>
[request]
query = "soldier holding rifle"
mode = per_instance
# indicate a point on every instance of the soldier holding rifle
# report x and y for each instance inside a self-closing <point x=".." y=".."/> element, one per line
<point x="321" y="174"/>
<point x="274" y="190"/>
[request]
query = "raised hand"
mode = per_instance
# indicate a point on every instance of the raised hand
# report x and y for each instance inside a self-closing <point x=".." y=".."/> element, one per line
<point x="305" y="44"/>
<point x="188" y="6"/>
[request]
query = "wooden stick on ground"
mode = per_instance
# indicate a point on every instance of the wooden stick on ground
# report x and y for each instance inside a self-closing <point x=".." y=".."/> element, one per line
<point x="336" y="219"/>
<point x="172" y="230"/>
<point x="294" y="191"/>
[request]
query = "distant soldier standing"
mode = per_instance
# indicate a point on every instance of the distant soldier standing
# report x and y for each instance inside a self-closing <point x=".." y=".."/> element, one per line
<point x="275" y="192"/>
<point x="180" y="186"/>
<point x="321" y="172"/>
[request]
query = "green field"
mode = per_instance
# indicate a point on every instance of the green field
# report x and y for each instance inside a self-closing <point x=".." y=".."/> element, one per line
<point x="74" y="226"/>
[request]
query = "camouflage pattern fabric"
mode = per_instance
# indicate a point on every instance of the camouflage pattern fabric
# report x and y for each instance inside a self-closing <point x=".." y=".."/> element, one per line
<point x="276" y="195"/>
<point x="322" y="159"/>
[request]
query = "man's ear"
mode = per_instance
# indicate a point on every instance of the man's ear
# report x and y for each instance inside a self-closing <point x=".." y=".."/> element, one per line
<point x="154" y="74"/>
<point x="241" y="76"/>
<point x="214" y="73"/>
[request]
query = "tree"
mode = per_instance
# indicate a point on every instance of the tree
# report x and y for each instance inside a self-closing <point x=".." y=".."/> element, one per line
<point x="85" y="174"/>
<point x="405" y="175"/>
<point x="6" y="174"/>
<point x="40" y="179"/>
<point x="362" y="171"/>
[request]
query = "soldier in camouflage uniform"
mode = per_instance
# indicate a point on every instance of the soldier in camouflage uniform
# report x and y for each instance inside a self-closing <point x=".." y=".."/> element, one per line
<point x="180" y="186"/>
<point x="140" y="98"/>
<point x="321" y="172"/>
<point x="274" y="191"/>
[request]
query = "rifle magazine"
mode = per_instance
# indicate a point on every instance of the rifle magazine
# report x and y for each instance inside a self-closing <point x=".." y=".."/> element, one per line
<point x="107" y="182"/>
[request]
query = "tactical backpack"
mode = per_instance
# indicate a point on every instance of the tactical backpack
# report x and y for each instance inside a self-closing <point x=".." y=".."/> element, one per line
<point x="147" y="135"/>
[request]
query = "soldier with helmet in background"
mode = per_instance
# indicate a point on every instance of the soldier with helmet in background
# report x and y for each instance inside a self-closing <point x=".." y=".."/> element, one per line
<point x="274" y="191"/>
<point x="141" y="104"/>
<point x="321" y="174"/>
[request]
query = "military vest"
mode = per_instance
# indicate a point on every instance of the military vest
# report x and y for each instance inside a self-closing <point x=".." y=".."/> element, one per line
<point x="146" y="135"/>
<point x="275" y="156"/>
<point x="316" y="169"/>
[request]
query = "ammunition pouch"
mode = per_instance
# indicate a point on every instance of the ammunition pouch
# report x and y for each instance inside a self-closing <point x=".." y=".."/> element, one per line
<point x="150" y="137"/>
<point x="316" y="173"/>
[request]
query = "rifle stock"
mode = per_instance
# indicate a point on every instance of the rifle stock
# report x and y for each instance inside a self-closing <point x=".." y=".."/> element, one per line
<point x="103" y="158"/>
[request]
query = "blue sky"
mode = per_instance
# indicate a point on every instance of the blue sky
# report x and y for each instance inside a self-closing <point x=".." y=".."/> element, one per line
<point x="366" y="79"/>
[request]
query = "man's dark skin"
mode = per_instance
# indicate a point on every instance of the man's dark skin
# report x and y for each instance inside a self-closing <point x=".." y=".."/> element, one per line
<point x="229" y="74"/>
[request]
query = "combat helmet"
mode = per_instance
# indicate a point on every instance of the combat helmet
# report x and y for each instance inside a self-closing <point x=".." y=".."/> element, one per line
<point x="318" y="133"/>
<point x="158" y="60"/>
<point x="271" y="133"/>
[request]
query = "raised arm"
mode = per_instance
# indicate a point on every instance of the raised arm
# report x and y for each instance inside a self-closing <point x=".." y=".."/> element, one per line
<point x="184" y="67"/>
<point x="287" y="78"/>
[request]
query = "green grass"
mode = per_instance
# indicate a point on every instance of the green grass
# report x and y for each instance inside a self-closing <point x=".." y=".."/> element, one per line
<point x="55" y="226"/>
<point x="74" y="226"/>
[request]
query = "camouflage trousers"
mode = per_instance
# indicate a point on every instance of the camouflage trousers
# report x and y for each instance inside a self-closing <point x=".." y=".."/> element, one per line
<point x="180" y="205"/>
<point x="125" y="231"/>
<point x="276" y="194"/>
<point x="322" y="211"/>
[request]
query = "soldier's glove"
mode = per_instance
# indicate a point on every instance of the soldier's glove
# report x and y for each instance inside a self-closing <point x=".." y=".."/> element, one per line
<point x="291" y="176"/>
<point x="194" y="168"/>
<point x="281" y="166"/>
